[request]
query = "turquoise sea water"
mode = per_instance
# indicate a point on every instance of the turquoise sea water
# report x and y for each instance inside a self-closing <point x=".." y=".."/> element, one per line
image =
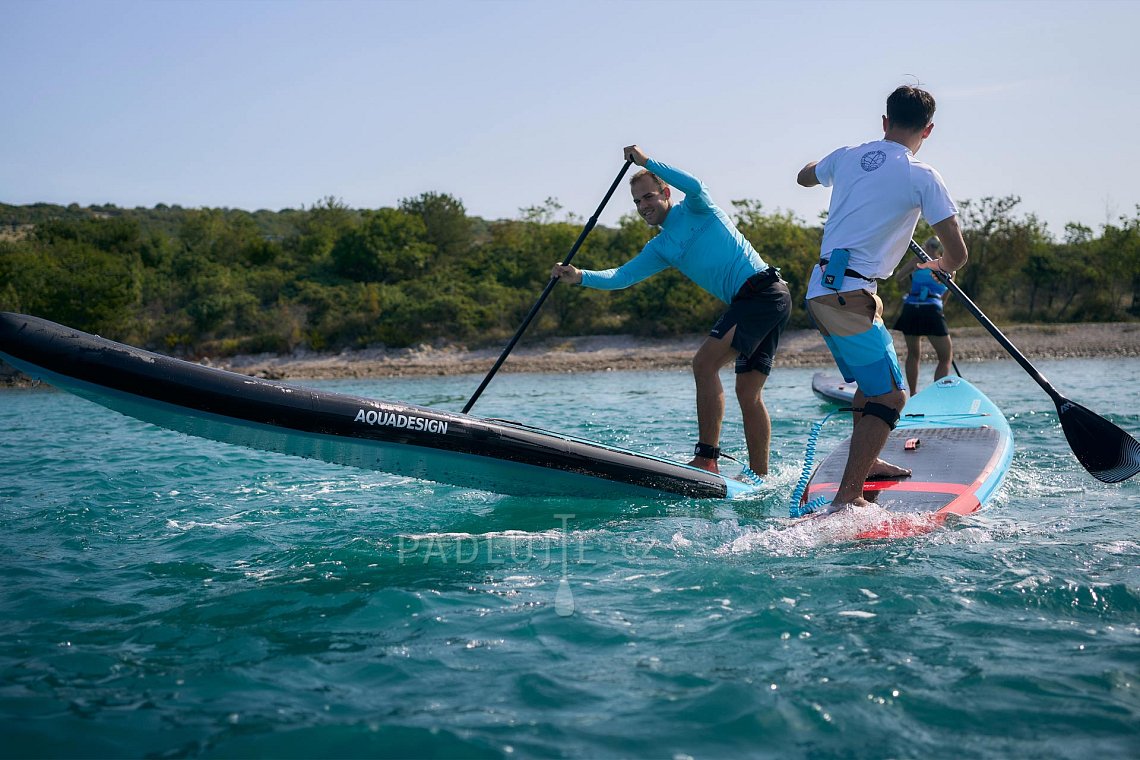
<point x="165" y="596"/>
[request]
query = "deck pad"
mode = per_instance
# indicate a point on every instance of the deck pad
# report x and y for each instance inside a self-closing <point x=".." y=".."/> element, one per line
<point x="944" y="466"/>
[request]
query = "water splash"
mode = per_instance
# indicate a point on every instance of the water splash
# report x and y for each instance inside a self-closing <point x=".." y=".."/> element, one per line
<point x="850" y="524"/>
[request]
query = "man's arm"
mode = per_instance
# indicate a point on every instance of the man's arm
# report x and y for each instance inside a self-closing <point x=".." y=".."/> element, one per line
<point x="643" y="265"/>
<point x="954" y="252"/>
<point x="694" y="190"/>
<point x="807" y="177"/>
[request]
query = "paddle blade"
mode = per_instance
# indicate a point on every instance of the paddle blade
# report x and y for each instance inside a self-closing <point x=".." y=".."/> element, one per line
<point x="1107" y="452"/>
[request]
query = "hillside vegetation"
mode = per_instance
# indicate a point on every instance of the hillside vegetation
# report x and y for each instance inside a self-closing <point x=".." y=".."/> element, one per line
<point x="224" y="281"/>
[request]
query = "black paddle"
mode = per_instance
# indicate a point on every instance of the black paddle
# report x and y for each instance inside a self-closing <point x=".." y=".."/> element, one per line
<point x="1107" y="452"/>
<point x="546" y="292"/>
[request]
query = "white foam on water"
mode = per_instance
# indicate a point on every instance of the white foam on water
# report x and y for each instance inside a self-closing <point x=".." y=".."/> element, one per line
<point x="680" y="542"/>
<point x="185" y="525"/>
<point x="1119" y="547"/>
<point x="850" y="524"/>
<point x="464" y="536"/>
<point x="960" y="536"/>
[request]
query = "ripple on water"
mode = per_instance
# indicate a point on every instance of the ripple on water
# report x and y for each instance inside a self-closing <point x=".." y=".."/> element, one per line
<point x="169" y="596"/>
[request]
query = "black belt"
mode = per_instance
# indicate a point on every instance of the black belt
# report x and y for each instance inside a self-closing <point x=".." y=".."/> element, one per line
<point x="846" y="272"/>
<point x="758" y="282"/>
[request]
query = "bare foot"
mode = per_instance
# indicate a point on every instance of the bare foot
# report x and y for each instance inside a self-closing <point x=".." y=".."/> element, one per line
<point x="856" y="502"/>
<point x="704" y="463"/>
<point x="884" y="470"/>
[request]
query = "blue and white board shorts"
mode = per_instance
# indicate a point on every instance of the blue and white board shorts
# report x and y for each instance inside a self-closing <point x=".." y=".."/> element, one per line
<point x="854" y="332"/>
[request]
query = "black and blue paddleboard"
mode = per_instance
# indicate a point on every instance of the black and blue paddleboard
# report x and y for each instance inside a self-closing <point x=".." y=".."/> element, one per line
<point x="403" y="439"/>
<point x="956" y="442"/>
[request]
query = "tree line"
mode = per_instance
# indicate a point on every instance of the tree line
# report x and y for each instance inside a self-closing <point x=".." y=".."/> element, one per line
<point x="217" y="281"/>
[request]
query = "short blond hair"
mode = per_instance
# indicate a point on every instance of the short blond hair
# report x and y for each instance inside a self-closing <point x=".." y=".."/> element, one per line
<point x="646" y="173"/>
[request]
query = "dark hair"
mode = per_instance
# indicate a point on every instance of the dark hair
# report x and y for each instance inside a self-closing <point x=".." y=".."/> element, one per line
<point x="910" y="108"/>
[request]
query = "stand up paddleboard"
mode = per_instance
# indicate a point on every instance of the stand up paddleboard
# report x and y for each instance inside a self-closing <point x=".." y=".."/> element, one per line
<point x="833" y="388"/>
<point x="403" y="439"/>
<point x="958" y="445"/>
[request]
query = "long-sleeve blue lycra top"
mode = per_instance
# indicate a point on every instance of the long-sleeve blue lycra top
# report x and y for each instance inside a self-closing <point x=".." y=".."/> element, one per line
<point x="697" y="238"/>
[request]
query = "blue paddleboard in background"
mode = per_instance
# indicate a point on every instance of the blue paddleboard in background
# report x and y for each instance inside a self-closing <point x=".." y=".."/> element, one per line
<point x="833" y="388"/>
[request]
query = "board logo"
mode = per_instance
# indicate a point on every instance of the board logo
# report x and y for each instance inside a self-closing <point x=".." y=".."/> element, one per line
<point x="406" y="421"/>
<point x="872" y="160"/>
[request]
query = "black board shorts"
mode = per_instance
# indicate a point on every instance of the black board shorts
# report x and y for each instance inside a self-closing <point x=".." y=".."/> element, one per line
<point x="759" y="311"/>
<point x="916" y="319"/>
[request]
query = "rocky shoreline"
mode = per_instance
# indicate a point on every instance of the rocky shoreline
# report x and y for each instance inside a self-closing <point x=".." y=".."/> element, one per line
<point x="798" y="348"/>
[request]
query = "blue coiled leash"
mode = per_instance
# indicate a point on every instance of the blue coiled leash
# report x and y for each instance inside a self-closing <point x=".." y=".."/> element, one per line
<point x="795" y="508"/>
<point x="747" y="474"/>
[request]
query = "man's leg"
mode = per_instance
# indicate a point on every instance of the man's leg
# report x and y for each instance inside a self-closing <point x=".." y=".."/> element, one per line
<point x="851" y="325"/>
<point x="881" y="469"/>
<point x="913" y="352"/>
<point x="867" y="441"/>
<point x="710" y="358"/>
<point x="757" y="423"/>
<point x="765" y="315"/>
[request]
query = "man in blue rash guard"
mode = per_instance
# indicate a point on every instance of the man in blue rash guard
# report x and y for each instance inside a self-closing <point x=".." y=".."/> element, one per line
<point x="879" y="190"/>
<point x="700" y="240"/>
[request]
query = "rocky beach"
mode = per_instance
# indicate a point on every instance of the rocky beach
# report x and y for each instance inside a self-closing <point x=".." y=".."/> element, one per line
<point x="798" y="348"/>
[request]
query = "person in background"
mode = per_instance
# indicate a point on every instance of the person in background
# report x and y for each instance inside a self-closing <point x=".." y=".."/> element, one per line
<point x="700" y="240"/>
<point x="922" y="316"/>
<point x="879" y="191"/>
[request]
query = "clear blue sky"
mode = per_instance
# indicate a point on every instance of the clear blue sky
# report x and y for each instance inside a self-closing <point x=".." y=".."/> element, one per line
<point x="276" y="104"/>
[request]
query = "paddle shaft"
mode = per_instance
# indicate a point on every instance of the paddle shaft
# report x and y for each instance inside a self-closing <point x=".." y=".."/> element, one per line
<point x="546" y="291"/>
<point x="993" y="329"/>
